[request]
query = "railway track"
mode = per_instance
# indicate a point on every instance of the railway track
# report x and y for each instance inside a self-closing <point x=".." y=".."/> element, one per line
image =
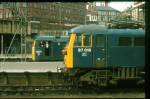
<point x="61" y="90"/>
<point x="44" y="84"/>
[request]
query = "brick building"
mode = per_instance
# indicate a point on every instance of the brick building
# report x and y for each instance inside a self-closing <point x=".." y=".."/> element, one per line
<point x="47" y="16"/>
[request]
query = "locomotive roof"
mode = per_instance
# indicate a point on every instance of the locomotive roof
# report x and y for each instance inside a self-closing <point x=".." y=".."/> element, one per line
<point x="135" y="32"/>
<point x="52" y="38"/>
<point x="101" y="29"/>
<point x="87" y="29"/>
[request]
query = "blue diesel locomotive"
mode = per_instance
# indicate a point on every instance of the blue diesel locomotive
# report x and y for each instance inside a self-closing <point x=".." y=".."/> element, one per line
<point x="95" y="56"/>
<point x="48" y="48"/>
<point x="98" y="55"/>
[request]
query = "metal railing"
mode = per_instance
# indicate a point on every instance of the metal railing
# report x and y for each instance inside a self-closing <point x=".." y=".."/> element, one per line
<point x="13" y="56"/>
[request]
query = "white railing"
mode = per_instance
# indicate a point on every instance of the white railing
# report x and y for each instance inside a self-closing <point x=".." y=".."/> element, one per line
<point x="15" y="56"/>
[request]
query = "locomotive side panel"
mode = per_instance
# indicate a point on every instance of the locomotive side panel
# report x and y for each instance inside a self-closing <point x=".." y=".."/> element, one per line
<point x="99" y="51"/>
<point x="57" y="48"/>
<point x="82" y="57"/>
<point x="119" y="55"/>
<point x="139" y="51"/>
<point x="122" y="49"/>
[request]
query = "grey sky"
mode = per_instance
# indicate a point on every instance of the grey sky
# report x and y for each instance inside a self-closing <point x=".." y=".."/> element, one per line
<point x="120" y="5"/>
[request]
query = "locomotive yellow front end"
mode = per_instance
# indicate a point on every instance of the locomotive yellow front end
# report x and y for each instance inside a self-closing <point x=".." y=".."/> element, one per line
<point x="68" y="52"/>
<point x="33" y="50"/>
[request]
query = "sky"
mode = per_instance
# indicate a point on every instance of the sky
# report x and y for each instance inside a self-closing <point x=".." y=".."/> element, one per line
<point x="120" y="5"/>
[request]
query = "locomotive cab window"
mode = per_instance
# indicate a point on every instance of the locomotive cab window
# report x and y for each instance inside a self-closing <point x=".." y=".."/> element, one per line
<point x="86" y="40"/>
<point x="78" y="40"/>
<point x="125" y="41"/>
<point x="83" y="40"/>
<point x="42" y="43"/>
<point x="139" y="41"/>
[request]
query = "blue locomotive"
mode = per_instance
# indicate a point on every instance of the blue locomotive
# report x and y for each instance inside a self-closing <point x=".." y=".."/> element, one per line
<point x="48" y="48"/>
<point x="98" y="55"/>
<point x="94" y="56"/>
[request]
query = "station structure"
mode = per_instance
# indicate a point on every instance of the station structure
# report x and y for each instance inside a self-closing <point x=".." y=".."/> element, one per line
<point x="21" y="21"/>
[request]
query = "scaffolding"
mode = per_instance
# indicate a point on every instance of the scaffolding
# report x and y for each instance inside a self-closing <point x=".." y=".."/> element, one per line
<point x="19" y="15"/>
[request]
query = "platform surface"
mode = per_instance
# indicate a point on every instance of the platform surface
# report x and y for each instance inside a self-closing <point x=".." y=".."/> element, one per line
<point x="30" y="66"/>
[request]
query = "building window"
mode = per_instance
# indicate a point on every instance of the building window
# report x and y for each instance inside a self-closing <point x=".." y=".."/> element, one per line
<point x="24" y="4"/>
<point x="66" y="18"/>
<point x="35" y="5"/>
<point x="125" y="41"/>
<point x="139" y="41"/>
<point x="108" y="19"/>
<point x="102" y="13"/>
<point x="44" y="5"/>
<point x="87" y="7"/>
<point x="0" y="15"/>
<point x="94" y="17"/>
<point x="1" y="6"/>
<point x="87" y="18"/>
<point x="112" y="13"/>
<point x="102" y="19"/>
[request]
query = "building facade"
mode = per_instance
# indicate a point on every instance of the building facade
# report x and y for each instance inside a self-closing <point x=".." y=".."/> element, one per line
<point x="46" y="17"/>
<point x="135" y="13"/>
<point x="102" y="3"/>
<point x="106" y="14"/>
<point x="138" y="12"/>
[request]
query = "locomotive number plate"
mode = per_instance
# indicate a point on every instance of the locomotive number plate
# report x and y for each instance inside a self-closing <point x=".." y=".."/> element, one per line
<point x="84" y="49"/>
